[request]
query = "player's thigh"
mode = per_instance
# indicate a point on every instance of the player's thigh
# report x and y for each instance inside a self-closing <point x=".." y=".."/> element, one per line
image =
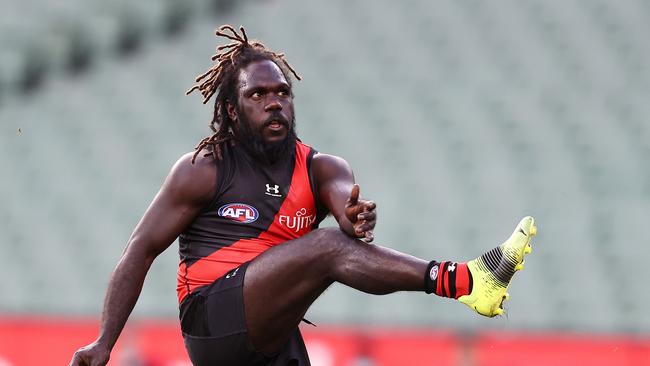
<point x="284" y="281"/>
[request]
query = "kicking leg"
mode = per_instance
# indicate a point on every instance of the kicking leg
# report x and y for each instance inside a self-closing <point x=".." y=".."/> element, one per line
<point x="284" y="281"/>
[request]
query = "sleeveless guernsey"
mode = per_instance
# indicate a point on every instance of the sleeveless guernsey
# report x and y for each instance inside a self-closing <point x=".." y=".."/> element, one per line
<point x="255" y="207"/>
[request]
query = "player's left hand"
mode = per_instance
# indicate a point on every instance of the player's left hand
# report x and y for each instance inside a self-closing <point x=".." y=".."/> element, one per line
<point x="362" y="214"/>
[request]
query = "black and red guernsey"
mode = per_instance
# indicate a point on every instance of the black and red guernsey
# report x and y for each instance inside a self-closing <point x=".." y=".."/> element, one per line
<point x="256" y="207"/>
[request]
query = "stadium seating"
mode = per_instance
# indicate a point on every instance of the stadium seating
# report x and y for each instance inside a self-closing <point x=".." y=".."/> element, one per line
<point x="458" y="117"/>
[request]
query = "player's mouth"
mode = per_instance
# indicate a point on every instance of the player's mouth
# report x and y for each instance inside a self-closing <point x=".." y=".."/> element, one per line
<point x="276" y="124"/>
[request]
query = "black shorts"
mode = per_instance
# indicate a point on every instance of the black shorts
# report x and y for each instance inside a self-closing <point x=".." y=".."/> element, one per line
<point x="214" y="328"/>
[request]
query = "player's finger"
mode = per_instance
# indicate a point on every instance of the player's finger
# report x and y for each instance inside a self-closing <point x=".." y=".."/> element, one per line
<point x="354" y="195"/>
<point x="369" y="205"/>
<point x="366" y="226"/>
<point x="370" y="236"/>
<point x="368" y="216"/>
<point x="358" y="228"/>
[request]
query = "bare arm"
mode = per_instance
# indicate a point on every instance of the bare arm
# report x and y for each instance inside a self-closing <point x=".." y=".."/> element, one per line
<point x="183" y="194"/>
<point x="338" y="192"/>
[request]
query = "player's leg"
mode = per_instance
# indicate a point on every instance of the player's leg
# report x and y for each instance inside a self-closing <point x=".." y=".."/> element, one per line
<point x="282" y="283"/>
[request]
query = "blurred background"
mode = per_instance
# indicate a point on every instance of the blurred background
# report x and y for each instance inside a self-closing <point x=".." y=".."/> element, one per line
<point x="458" y="117"/>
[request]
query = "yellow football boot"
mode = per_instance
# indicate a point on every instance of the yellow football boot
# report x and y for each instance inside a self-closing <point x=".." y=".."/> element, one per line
<point x="492" y="272"/>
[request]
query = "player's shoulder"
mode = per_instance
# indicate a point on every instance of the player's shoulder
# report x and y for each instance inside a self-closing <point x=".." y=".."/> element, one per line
<point x="328" y="166"/>
<point x="190" y="164"/>
<point x="323" y="159"/>
<point x="194" y="176"/>
<point x="319" y="158"/>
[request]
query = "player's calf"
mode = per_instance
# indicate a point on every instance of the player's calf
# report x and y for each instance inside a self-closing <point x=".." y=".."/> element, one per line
<point x="370" y="268"/>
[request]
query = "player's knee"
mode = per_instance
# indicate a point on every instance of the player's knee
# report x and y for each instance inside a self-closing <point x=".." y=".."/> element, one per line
<point x="330" y="241"/>
<point x="330" y="235"/>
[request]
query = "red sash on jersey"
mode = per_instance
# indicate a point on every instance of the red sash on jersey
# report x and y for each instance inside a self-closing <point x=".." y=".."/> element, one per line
<point x="294" y="219"/>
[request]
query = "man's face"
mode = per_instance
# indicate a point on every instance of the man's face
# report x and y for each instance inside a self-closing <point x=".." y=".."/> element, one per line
<point x="265" y="103"/>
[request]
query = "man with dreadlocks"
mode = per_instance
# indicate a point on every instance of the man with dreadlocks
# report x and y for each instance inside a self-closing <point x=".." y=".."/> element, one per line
<point x="246" y="213"/>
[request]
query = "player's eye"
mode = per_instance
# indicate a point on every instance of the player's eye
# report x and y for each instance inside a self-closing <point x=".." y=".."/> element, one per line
<point x="256" y="95"/>
<point x="283" y="93"/>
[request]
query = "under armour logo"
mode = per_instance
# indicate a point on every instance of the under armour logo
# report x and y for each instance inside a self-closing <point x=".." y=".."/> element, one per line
<point x="273" y="190"/>
<point x="452" y="267"/>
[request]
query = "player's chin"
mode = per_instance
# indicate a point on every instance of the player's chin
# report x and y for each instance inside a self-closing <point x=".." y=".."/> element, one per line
<point x="275" y="135"/>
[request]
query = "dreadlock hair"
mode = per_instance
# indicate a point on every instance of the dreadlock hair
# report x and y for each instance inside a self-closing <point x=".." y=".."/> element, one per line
<point x="221" y="79"/>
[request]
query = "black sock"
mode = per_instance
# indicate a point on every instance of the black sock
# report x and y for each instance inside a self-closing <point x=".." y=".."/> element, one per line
<point x="448" y="279"/>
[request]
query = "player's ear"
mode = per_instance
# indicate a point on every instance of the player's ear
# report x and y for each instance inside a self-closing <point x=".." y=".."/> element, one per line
<point x="232" y="111"/>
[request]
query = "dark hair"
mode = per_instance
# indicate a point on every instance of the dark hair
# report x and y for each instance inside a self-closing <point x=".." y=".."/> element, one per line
<point x="221" y="79"/>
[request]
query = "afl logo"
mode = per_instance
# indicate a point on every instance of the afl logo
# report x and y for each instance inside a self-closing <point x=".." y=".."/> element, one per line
<point x="239" y="212"/>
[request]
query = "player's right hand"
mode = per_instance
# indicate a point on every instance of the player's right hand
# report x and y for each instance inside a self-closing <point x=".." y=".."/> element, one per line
<point x="94" y="354"/>
<point x="362" y="214"/>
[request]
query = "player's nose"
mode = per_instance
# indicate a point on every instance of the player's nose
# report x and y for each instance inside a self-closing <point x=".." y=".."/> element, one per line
<point x="273" y="105"/>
